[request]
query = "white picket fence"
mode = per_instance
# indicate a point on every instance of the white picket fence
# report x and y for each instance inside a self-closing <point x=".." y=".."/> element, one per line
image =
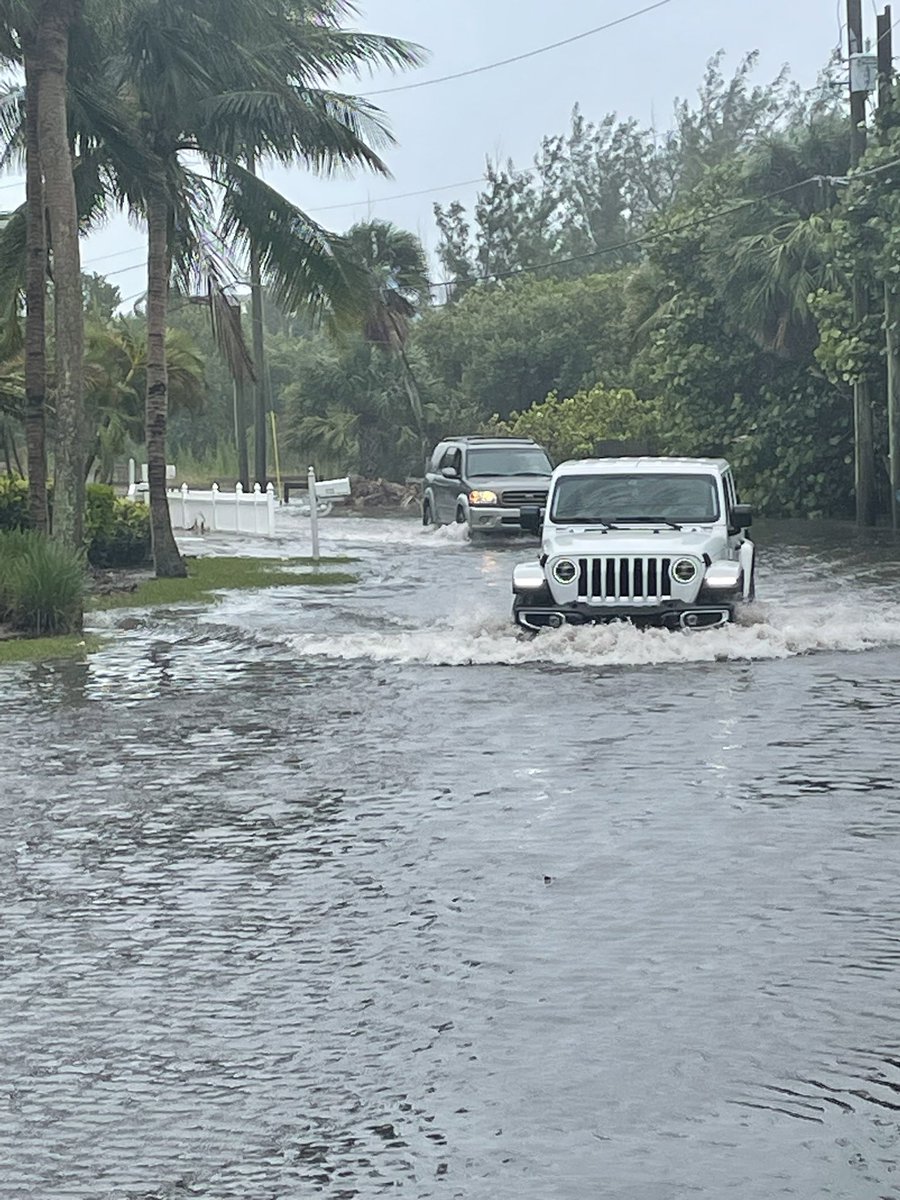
<point x="216" y="511"/>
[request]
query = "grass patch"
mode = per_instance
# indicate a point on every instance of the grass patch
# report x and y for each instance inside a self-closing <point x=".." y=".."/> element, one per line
<point x="16" y="650"/>
<point x="206" y="576"/>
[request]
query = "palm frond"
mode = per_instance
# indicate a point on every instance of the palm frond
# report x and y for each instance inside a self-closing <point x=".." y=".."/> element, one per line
<point x="326" y="131"/>
<point x="307" y="267"/>
<point x="12" y="282"/>
<point x="12" y="126"/>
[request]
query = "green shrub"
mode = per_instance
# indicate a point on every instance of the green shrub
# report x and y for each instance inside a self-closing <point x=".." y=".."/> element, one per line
<point x="13" y="502"/>
<point x="117" y="532"/>
<point x="42" y="584"/>
<point x="579" y="426"/>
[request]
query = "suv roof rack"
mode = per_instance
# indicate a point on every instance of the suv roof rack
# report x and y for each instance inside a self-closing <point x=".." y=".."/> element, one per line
<point x="491" y="438"/>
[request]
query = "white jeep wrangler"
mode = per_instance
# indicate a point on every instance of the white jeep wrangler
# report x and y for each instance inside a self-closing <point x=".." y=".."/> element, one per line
<point x="657" y="541"/>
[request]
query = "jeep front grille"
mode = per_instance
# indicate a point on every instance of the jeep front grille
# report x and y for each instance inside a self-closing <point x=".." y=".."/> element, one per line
<point x="517" y="499"/>
<point x="624" y="580"/>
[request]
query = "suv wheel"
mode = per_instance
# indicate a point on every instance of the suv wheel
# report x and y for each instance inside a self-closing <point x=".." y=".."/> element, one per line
<point x="461" y="518"/>
<point x="427" y="515"/>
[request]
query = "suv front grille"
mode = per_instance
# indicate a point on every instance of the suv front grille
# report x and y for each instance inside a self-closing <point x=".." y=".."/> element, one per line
<point x="624" y="580"/>
<point x="526" y="496"/>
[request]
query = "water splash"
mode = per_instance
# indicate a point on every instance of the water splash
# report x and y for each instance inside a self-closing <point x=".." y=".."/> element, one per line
<point x="764" y="633"/>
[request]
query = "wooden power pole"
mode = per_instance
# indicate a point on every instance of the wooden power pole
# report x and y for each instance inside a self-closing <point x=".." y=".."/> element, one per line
<point x="891" y="294"/>
<point x="862" y="401"/>
<point x="260" y="404"/>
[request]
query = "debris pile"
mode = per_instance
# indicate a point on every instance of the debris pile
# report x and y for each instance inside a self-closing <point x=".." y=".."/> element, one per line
<point x="368" y="494"/>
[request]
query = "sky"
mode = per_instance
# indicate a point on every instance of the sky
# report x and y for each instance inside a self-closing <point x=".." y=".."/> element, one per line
<point x="445" y="131"/>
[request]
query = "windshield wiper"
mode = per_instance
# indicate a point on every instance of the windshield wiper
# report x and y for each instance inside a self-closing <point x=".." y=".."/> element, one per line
<point x="651" y="521"/>
<point x="584" y="521"/>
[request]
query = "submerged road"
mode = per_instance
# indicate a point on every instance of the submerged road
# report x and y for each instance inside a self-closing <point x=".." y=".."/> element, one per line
<point x="356" y="894"/>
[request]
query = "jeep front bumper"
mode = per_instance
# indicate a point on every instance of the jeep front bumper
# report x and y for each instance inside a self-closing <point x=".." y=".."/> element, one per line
<point x="671" y="614"/>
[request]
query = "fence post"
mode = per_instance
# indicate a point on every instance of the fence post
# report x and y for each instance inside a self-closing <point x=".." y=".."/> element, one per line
<point x="238" y="499"/>
<point x="270" y="509"/>
<point x="184" y="495"/>
<point x="257" y="503"/>
<point x="215" y="495"/>
<point x="313" y="513"/>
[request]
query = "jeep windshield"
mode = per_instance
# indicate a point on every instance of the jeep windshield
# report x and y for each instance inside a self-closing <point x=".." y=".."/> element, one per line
<point x="636" y="499"/>
<point x="499" y="462"/>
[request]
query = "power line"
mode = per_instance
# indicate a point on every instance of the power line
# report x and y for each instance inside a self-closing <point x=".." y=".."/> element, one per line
<point x="505" y="62"/>
<point x="89" y="262"/>
<point x="444" y="187"/>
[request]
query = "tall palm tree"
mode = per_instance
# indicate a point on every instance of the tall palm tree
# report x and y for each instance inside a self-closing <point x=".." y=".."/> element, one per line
<point x="51" y="64"/>
<point x="194" y="73"/>
<point x="38" y="35"/>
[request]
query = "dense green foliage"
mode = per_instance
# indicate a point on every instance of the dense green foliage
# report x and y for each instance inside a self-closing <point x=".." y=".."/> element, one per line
<point x="585" y="424"/>
<point x="42" y="584"/>
<point x="117" y="531"/>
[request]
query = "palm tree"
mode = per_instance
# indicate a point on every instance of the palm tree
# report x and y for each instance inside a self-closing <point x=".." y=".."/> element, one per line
<point x="219" y="100"/>
<point x="49" y="65"/>
<point x="397" y="288"/>
<point x="35" y="124"/>
<point x="115" y="385"/>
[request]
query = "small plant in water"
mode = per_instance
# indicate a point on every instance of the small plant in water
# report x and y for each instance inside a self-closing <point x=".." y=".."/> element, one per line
<point x="42" y="584"/>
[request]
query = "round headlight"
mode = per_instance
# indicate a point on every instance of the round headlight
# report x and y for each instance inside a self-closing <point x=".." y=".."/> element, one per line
<point x="565" y="571"/>
<point x="684" y="570"/>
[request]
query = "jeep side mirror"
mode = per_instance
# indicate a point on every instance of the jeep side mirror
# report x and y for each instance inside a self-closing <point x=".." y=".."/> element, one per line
<point x="450" y="472"/>
<point x="741" y="516"/>
<point x="531" y="518"/>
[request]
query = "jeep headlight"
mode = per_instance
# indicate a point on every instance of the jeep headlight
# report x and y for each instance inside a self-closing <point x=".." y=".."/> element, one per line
<point x="684" y="570"/>
<point x="482" y="497"/>
<point x="565" y="571"/>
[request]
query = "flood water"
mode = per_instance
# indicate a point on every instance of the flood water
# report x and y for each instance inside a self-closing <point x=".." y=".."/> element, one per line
<point x="354" y="894"/>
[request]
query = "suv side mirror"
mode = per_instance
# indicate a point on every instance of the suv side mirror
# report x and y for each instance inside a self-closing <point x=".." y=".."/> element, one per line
<point x="450" y="472"/>
<point x="531" y="518"/>
<point x="741" y="516"/>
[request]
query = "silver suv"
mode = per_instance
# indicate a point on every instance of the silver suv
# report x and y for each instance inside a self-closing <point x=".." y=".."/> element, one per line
<point x="483" y="482"/>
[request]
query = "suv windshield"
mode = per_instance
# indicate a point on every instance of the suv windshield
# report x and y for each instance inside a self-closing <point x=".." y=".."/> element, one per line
<point x="685" y="499"/>
<point x="507" y="460"/>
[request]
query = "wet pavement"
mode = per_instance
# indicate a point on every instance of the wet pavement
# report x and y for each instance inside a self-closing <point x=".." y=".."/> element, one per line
<point x="356" y="893"/>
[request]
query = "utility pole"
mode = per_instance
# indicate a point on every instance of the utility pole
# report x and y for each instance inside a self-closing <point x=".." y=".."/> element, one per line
<point x="862" y="402"/>
<point x="259" y="357"/>
<point x="891" y="296"/>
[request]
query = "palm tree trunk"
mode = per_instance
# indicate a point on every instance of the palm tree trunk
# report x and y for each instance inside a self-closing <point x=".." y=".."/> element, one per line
<point x="166" y="558"/>
<point x="35" y="309"/>
<point x="51" y="67"/>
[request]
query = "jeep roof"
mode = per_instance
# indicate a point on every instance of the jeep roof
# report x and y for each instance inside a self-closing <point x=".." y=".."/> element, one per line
<point x="644" y="466"/>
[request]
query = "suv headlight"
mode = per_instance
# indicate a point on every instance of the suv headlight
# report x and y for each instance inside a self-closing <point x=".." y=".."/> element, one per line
<point x="684" y="570"/>
<point x="482" y="497"/>
<point x="565" y="571"/>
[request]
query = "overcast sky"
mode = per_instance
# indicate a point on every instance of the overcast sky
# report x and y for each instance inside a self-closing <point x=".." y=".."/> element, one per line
<point x="445" y="131"/>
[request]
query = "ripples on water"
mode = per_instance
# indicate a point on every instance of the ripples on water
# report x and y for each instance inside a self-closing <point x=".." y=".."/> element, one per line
<point x="342" y="896"/>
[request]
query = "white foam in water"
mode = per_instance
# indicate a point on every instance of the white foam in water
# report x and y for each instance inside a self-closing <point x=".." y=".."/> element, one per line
<point x="766" y="633"/>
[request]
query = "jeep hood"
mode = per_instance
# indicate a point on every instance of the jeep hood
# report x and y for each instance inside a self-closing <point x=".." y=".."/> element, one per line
<point x="643" y="540"/>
